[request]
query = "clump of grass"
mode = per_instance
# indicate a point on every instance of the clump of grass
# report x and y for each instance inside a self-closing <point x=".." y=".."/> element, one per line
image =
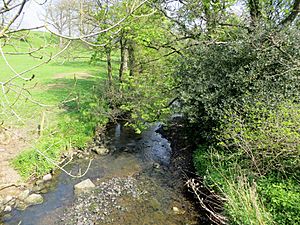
<point x="243" y="205"/>
<point x="223" y="174"/>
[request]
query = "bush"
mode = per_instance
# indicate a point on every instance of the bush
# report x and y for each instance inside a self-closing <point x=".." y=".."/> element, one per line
<point x="261" y="66"/>
<point x="268" y="139"/>
<point x="248" y="92"/>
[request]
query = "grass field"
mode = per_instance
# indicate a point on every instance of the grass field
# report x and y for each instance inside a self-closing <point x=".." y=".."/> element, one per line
<point x="69" y="86"/>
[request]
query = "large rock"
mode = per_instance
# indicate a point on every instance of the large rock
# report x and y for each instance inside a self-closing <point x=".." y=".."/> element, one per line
<point x="84" y="186"/>
<point x="34" y="199"/>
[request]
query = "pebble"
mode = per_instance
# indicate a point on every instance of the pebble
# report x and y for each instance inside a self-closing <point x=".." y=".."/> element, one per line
<point x="156" y="165"/>
<point x="7" y="209"/>
<point x="175" y="209"/>
<point x="47" y="177"/>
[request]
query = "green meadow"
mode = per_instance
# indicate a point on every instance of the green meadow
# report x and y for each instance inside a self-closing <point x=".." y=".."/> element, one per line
<point x="59" y="108"/>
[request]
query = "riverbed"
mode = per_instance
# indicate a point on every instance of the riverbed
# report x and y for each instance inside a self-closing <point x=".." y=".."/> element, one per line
<point x="134" y="185"/>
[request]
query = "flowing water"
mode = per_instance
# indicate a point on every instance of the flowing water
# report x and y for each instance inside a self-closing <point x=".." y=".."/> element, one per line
<point x="133" y="186"/>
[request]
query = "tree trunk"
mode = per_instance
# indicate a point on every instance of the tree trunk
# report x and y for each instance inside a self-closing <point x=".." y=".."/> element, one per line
<point x="109" y="67"/>
<point x="131" y="56"/>
<point x="123" y="58"/>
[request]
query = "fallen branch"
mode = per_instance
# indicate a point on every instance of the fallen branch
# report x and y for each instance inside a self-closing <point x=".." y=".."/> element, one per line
<point x="5" y="186"/>
<point x="214" y="216"/>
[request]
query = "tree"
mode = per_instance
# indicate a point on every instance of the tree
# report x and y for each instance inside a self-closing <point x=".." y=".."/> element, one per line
<point x="63" y="17"/>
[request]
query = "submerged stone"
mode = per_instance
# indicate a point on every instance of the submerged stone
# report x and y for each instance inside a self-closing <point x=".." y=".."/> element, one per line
<point x="100" y="150"/>
<point x="84" y="186"/>
<point x="34" y="199"/>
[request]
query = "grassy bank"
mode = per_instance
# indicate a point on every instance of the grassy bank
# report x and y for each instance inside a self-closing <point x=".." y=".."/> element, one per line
<point x="250" y="199"/>
<point x="70" y="90"/>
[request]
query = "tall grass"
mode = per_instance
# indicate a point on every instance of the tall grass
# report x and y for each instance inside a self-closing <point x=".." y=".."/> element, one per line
<point x="243" y="205"/>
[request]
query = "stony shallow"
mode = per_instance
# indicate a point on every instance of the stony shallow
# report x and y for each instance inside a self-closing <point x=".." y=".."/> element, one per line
<point x="97" y="206"/>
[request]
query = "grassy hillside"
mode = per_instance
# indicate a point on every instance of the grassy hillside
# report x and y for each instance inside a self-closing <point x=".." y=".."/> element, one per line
<point x="69" y="86"/>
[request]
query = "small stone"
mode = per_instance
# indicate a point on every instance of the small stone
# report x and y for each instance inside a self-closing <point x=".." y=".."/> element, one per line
<point x="84" y="186"/>
<point x="23" y="195"/>
<point x="175" y="209"/>
<point x="156" y="165"/>
<point x="21" y="205"/>
<point x="7" y="209"/>
<point x="47" y="177"/>
<point x="34" y="199"/>
<point x="100" y="150"/>
<point x="155" y="204"/>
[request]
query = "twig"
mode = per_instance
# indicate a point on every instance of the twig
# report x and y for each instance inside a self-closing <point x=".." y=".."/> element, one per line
<point x="216" y="216"/>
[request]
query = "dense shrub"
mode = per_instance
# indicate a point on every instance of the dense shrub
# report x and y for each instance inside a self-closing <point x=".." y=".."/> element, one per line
<point x="215" y="77"/>
<point x="268" y="140"/>
<point x="248" y="92"/>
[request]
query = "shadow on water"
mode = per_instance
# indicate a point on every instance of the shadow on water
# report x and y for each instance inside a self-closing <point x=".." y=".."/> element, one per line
<point x="131" y="155"/>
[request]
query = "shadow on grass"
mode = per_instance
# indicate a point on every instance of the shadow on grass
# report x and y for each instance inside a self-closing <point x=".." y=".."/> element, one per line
<point x="75" y="95"/>
<point x="73" y="64"/>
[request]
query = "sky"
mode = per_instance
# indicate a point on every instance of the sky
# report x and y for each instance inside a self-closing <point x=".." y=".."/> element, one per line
<point x="34" y="12"/>
<point x="32" y="16"/>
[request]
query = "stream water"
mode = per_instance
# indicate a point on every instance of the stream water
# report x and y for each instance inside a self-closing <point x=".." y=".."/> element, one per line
<point x="133" y="186"/>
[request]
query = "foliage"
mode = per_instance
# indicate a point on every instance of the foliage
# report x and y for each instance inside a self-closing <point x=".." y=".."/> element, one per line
<point x="247" y="91"/>
<point x="282" y="197"/>
<point x="267" y="139"/>
<point x="146" y="97"/>
<point x="217" y="77"/>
